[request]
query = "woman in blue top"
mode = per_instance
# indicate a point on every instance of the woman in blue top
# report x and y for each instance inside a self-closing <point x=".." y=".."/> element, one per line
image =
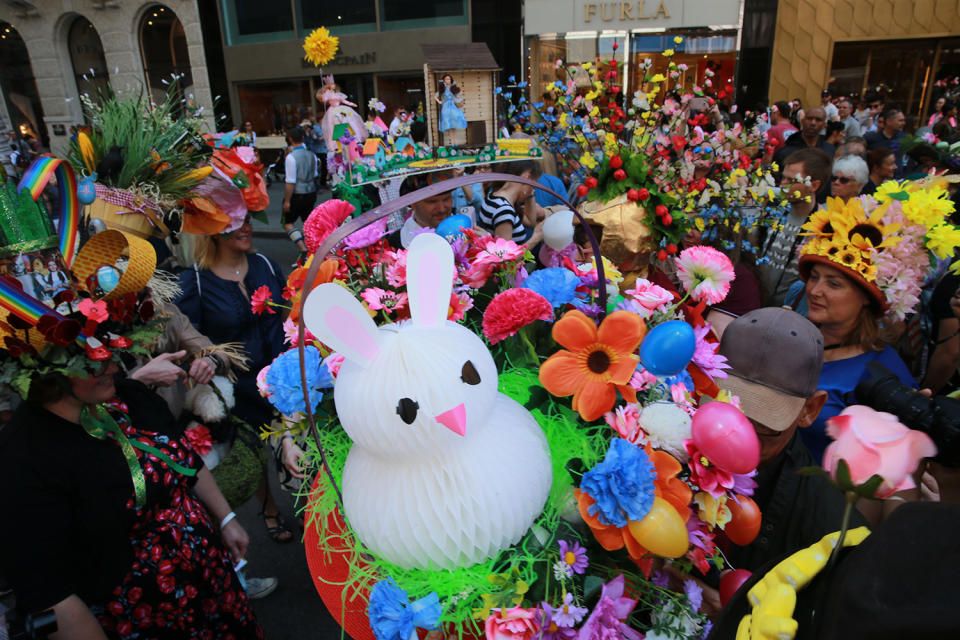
<point x="847" y="313"/>
<point x="216" y="296"/>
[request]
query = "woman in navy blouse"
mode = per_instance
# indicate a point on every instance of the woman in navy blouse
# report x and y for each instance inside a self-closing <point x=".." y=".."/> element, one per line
<point x="216" y="298"/>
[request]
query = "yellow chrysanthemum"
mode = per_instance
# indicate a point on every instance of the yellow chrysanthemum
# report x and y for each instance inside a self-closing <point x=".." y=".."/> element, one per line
<point x="943" y="240"/>
<point x="927" y="207"/>
<point x="888" y="191"/>
<point x="320" y="46"/>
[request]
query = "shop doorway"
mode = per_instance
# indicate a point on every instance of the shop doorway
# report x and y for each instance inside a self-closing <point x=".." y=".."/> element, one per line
<point x="19" y="86"/>
<point x="166" y="61"/>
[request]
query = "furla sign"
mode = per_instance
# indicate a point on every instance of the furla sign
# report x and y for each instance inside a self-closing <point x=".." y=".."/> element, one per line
<point x="563" y="16"/>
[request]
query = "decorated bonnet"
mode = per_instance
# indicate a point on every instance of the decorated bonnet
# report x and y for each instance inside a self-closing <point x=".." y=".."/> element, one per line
<point x="885" y="245"/>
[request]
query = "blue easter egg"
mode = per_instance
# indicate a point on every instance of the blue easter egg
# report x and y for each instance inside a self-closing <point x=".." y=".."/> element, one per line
<point x="86" y="191"/>
<point x="451" y="226"/>
<point x="108" y="278"/>
<point x="668" y="348"/>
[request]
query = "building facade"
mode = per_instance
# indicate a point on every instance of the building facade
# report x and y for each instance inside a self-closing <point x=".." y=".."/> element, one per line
<point x="905" y="49"/>
<point x="54" y="51"/>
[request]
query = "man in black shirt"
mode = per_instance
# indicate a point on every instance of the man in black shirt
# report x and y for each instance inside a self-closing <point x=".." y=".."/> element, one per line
<point x="809" y="135"/>
<point x="775" y="357"/>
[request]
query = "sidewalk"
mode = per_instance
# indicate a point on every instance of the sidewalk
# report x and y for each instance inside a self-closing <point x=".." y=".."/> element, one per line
<point x="274" y="229"/>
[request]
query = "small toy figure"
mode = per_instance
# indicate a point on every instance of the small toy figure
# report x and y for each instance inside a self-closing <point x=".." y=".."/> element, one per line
<point x="452" y="120"/>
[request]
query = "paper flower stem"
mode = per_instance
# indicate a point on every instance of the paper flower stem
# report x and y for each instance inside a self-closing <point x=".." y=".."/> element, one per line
<point x="526" y="340"/>
<point x="844" y="525"/>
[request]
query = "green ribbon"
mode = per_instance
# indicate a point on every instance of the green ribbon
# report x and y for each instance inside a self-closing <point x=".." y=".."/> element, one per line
<point x="97" y="421"/>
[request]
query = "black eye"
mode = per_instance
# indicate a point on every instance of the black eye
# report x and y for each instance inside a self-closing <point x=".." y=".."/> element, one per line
<point x="407" y="410"/>
<point x="469" y="373"/>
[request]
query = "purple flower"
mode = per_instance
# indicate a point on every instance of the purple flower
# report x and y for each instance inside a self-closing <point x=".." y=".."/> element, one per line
<point x="694" y="595"/>
<point x="660" y="578"/>
<point x="606" y="619"/>
<point x="705" y="355"/>
<point x="744" y="484"/>
<point x="550" y="629"/>
<point x="566" y="615"/>
<point x="573" y="556"/>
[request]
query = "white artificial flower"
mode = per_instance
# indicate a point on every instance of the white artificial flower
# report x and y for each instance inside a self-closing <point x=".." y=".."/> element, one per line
<point x="667" y="426"/>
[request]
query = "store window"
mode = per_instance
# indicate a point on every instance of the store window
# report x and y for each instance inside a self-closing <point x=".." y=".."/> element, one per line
<point x="573" y="50"/>
<point x="86" y="54"/>
<point x="404" y="14"/>
<point x="19" y="86"/>
<point x="250" y="21"/>
<point x="340" y="16"/>
<point x="163" y="49"/>
<point x="695" y="55"/>
<point x="273" y="107"/>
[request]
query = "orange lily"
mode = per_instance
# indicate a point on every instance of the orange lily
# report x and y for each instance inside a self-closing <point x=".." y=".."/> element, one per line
<point x="596" y="362"/>
<point x="297" y="282"/>
<point x="667" y="485"/>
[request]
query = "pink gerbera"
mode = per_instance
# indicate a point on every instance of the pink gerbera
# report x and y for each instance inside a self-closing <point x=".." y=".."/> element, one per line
<point x="378" y="299"/>
<point x="460" y="303"/>
<point x="496" y="250"/>
<point x="706" y="273"/>
<point x="705" y="474"/>
<point x="513" y="309"/>
<point x="706" y="357"/>
<point x="322" y="221"/>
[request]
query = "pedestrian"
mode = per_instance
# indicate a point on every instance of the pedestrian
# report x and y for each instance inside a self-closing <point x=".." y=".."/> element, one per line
<point x="888" y="135"/>
<point x="300" y="195"/>
<point x="813" y="121"/>
<point x="851" y="128"/>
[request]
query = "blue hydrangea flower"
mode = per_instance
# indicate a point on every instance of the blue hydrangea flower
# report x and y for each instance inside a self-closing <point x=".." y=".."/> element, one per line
<point x="394" y="617"/>
<point x="556" y="284"/>
<point x="285" y="385"/>
<point x="621" y="485"/>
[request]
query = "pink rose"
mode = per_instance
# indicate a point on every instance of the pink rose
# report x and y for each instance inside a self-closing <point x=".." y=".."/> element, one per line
<point x="650" y="296"/>
<point x="876" y="443"/>
<point x="512" y="624"/>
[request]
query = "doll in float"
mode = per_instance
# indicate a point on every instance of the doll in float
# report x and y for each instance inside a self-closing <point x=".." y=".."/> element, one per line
<point x="444" y="470"/>
<point x="453" y="124"/>
<point x="338" y="110"/>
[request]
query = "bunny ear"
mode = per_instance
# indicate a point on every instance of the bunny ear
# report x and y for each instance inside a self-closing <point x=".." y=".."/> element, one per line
<point x="429" y="279"/>
<point x="339" y="320"/>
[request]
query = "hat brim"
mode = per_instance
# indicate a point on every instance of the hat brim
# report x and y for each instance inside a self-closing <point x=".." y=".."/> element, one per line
<point x="879" y="301"/>
<point x="760" y="403"/>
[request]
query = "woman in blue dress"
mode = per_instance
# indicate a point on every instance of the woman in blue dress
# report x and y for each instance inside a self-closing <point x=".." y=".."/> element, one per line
<point x="451" y="115"/>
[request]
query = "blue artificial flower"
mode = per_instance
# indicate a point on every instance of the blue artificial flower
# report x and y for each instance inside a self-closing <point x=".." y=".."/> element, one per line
<point x="556" y="284"/>
<point x="621" y="485"/>
<point x="285" y="385"/>
<point x="394" y="617"/>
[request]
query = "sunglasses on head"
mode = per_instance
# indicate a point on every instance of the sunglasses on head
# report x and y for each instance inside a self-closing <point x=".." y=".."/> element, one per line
<point x="840" y="179"/>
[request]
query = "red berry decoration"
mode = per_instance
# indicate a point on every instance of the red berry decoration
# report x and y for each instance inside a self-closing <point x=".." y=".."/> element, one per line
<point x="661" y="210"/>
<point x="591" y="182"/>
<point x="582" y="190"/>
<point x="620" y="174"/>
<point x="667" y="220"/>
<point x="644" y="195"/>
<point x="661" y="255"/>
<point x="616" y="162"/>
<point x="633" y="195"/>
<point x="671" y="248"/>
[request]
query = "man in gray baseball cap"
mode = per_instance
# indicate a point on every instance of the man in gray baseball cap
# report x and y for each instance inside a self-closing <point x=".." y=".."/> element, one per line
<point x="775" y="356"/>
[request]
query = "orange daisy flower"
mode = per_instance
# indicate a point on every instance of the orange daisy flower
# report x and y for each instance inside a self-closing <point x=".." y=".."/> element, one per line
<point x="596" y="362"/>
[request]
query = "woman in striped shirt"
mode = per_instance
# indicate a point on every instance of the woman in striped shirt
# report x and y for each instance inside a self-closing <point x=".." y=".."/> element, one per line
<point x="509" y="210"/>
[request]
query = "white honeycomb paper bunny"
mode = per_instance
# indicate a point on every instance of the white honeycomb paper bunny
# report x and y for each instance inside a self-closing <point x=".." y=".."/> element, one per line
<point x="444" y="471"/>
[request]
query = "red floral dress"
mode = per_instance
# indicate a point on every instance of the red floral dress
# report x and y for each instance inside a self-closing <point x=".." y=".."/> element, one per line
<point x="182" y="583"/>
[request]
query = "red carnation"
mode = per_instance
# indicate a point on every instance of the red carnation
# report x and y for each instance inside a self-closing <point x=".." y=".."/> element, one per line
<point x="323" y="220"/>
<point x="512" y="309"/>
<point x="620" y="174"/>
<point x="260" y="300"/>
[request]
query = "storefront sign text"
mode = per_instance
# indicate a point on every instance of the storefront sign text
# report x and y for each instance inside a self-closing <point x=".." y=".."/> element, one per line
<point x="343" y="59"/>
<point x="624" y="11"/>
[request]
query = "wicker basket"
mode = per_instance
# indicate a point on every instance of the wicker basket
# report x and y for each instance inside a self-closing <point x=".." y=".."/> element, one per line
<point x="124" y="211"/>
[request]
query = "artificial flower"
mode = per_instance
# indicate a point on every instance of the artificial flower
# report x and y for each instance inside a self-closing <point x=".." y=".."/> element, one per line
<point x="508" y="591"/>
<point x="705" y="354"/>
<point x="394" y="617"/>
<point x="574" y="556"/>
<point x="323" y="221"/>
<point x="621" y="484"/>
<point x="284" y="383"/>
<point x="567" y="614"/>
<point x="550" y="629"/>
<point x="260" y="300"/>
<point x="396" y="272"/>
<point x="596" y="362"/>
<point x="262" y="386"/>
<point x="651" y="298"/>
<point x="388" y="301"/>
<point x="333" y="362"/>
<point x="625" y="421"/>
<point x="496" y="250"/>
<point x="665" y="426"/>
<point x="511" y="310"/>
<point x="712" y="509"/>
<point x="607" y="620"/>
<point x="705" y="474"/>
<point x="556" y="284"/>
<point x="460" y="303"/>
<point x="319" y="48"/>
<point x="706" y="273"/>
<point x="199" y="438"/>
<point x="291" y="333"/>
<point x="515" y="623"/>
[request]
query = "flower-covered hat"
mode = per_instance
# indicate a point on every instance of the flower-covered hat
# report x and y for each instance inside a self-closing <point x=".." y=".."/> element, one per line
<point x="883" y="244"/>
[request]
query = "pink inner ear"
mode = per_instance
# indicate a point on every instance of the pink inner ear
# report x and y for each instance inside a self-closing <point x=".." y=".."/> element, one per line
<point x="429" y="288"/>
<point x="349" y="330"/>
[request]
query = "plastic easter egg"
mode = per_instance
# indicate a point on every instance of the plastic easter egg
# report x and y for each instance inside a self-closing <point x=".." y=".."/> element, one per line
<point x="662" y="531"/>
<point x="107" y="278"/>
<point x="745" y="519"/>
<point x="558" y="230"/>
<point x="730" y="582"/>
<point x="86" y="191"/>
<point x="723" y="434"/>
<point x="667" y="349"/>
<point x="450" y="227"/>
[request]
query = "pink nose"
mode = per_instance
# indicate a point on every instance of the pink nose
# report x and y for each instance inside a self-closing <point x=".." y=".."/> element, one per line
<point x="455" y="419"/>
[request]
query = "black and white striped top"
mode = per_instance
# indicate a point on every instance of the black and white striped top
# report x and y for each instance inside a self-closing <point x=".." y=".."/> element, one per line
<point x="496" y="210"/>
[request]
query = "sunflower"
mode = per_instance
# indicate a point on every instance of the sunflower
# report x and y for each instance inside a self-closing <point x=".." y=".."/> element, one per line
<point x="320" y="46"/>
<point x="849" y="258"/>
<point x="819" y="224"/>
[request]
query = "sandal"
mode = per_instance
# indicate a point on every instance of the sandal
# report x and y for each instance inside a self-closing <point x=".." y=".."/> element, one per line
<point x="279" y="533"/>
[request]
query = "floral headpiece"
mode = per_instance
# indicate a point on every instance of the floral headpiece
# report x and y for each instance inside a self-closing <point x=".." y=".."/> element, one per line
<point x="883" y="244"/>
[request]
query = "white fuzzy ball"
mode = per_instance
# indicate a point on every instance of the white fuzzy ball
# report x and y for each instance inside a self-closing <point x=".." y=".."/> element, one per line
<point x="666" y="426"/>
